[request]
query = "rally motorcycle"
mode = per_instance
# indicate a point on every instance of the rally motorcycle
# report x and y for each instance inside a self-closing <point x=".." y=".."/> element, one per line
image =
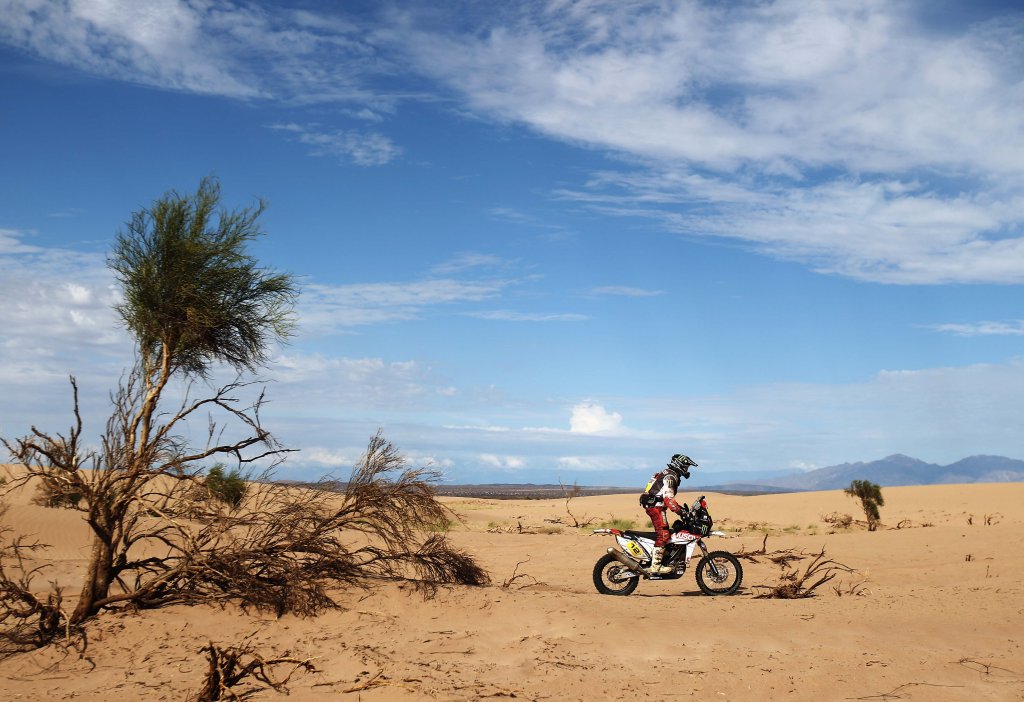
<point x="619" y="571"/>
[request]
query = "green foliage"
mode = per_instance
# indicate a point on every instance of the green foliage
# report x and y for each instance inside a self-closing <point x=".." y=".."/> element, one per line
<point x="870" y="496"/>
<point x="192" y="295"/>
<point x="618" y="523"/>
<point x="229" y="488"/>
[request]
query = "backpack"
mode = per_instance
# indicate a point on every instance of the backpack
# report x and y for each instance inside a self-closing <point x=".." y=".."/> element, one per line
<point x="649" y="497"/>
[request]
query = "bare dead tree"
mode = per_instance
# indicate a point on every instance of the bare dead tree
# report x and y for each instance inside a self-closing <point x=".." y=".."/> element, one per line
<point x="127" y="482"/>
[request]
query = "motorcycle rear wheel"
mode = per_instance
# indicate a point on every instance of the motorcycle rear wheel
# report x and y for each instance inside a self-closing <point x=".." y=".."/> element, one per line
<point x="610" y="578"/>
<point x="728" y="579"/>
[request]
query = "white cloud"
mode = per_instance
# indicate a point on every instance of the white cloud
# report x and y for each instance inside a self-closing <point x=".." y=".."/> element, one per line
<point x="502" y="462"/>
<point x="847" y="135"/>
<point x="336" y="386"/>
<point x="361" y="148"/>
<point x="840" y="83"/>
<point x="468" y="260"/>
<point x="57" y="309"/>
<point x="513" y="316"/>
<point x="1015" y="328"/>
<point x="890" y="232"/>
<point x="592" y="418"/>
<point x="326" y="308"/>
<point x="203" y="46"/>
<point x="855" y="137"/>
<point x="146" y="41"/>
<point x="590" y="464"/>
<point x="624" y="291"/>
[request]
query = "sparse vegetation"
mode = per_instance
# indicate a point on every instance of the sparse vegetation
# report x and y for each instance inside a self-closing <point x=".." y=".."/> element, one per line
<point x="870" y="496"/>
<point x="842" y="521"/>
<point x="618" y="523"/>
<point x="229" y="488"/>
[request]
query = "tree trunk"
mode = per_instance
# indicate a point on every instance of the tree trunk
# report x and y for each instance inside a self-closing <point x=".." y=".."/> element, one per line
<point x="96" y="584"/>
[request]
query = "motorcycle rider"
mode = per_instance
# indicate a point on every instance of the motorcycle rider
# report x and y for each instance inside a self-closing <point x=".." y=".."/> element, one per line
<point x="658" y="498"/>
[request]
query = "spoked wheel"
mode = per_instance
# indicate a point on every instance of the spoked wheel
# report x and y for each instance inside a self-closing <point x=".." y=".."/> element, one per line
<point x="719" y="573"/>
<point x="613" y="578"/>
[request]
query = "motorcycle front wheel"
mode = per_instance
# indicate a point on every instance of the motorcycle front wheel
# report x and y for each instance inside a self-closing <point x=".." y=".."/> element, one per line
<point x="613" y="578"/>
<point x="719" y="573"/>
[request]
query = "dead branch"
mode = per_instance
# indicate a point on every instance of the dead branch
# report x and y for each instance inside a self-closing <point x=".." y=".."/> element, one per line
<point x="573" y="521"/>
<point x="897" y="692"/>
<point x="983" y="668"/>
<point x="516" y="575"/>
<point x="229" y="666"/>
<point x="28" y="620"/>
<point x="781" y="557"/>
<point x="794" y="585"/>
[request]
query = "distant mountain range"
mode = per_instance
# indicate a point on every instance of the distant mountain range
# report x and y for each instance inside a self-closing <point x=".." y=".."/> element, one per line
<point x="892" y="471"/>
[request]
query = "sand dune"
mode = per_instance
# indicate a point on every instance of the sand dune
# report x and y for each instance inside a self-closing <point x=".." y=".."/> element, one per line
<point x="929" y="624"/>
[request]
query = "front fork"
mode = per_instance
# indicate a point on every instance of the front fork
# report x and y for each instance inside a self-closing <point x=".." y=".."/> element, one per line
<point x="711" y="562"/>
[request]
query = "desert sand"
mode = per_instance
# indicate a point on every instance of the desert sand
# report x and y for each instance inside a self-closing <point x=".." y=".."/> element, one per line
<point x="935" y="611"/>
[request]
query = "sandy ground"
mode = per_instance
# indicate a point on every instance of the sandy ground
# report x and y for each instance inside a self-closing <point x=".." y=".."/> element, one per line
<point x="928" y="623"/>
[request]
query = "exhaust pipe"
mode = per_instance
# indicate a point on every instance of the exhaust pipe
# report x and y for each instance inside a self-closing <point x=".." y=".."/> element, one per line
<point x="626" y="560"/>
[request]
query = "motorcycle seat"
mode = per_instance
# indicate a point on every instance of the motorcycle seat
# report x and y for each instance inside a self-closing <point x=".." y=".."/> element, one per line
<point x="641" y="534"/>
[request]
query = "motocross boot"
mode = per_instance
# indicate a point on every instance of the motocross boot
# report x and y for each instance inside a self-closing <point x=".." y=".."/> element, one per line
<point x="656" y="567"/>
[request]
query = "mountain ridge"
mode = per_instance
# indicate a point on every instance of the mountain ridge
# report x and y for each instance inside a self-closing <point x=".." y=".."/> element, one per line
<point x="901" y="470"/>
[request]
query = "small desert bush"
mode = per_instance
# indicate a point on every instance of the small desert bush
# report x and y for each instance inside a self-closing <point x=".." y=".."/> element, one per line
<point x="618" y="523"/>
<point x="870" y="496"/>
<point x="443" y="525"/>
<point x="229" y="488"/>
<point x="843" y="521"/>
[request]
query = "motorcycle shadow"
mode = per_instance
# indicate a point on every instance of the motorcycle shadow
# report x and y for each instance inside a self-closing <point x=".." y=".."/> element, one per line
<point x="688" y="593"/>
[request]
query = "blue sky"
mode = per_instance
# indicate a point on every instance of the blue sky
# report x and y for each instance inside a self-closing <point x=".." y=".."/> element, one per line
<point x="546" y="241"/>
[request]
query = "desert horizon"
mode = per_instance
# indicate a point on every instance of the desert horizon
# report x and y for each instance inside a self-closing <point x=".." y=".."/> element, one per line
<point x="931" y="611"/>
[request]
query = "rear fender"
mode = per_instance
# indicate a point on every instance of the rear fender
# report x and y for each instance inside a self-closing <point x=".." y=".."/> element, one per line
<point x="637" y="548"/>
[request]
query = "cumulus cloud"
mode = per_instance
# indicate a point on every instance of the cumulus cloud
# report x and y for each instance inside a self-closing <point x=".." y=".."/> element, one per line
<point x="502" y="462"/>
<point x="57" y="308"/>
<point x="592" y="418"/>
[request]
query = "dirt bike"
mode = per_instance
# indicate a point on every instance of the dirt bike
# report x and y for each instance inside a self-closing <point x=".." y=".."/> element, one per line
<point x="619" y="571"/>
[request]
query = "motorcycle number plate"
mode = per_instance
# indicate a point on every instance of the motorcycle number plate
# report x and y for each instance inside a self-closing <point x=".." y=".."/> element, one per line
<point x="635" y="549"/>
